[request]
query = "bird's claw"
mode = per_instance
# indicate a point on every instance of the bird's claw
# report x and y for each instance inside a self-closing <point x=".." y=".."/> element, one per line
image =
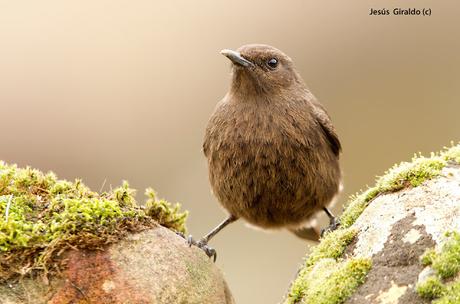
<point x="210" y="252"/>
<point x="190" y="241"/>
<point x="203" y="245"/>
<point x="333" y="225"/>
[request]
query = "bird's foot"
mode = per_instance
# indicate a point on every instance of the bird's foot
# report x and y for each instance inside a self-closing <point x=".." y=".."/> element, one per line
<point x="202" y="244"/>
<point x="333" y="225"/>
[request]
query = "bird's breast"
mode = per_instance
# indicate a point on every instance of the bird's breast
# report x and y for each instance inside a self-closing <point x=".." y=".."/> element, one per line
<point x="266" y="162"/>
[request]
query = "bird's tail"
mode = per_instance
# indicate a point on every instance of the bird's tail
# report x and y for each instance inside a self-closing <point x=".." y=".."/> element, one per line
<point x="310" y="231"/>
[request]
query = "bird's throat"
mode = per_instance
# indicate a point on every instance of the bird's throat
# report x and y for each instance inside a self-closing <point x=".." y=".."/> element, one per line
<point x="245" y="83"/>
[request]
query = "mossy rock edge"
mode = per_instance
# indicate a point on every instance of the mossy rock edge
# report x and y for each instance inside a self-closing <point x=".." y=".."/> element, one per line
<point x="41" y="217"/>
<point x="316" y="281"/>
<point x="151" y="266"/>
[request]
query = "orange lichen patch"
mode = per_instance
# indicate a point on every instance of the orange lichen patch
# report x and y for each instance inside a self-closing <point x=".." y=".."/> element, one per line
<point x="92" y="277"/>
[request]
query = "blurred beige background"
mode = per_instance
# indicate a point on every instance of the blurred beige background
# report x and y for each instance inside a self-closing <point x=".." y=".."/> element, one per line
<point x="123" y="90"/>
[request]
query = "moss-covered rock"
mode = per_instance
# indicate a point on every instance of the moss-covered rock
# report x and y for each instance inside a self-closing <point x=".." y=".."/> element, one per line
<point x="330" y="249"/>
<point x="387" y="238"/>
<point x="41" y="216"/>
<point x="445" y="264"/>
<point x="451" y="295"/>
<point x="400" y="176"/>
<point x="431" y="288"/>
<point x="329" y="281"/>
<point x="151" y="266"/>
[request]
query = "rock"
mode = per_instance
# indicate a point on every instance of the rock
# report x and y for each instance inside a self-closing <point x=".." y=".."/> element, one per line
<point x="61" y="242"/>
<point x="402" y="236"/>
<point x="153" y="266"/>
<point x="397" y="228"/>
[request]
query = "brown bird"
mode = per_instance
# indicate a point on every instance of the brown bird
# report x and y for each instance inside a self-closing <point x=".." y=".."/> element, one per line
<point x="272" y="151"/>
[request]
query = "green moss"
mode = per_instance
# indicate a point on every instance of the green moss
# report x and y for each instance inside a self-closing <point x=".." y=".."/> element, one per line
<point x="326" y="254"/>
<point x="452" y="153"/>
<point x="446" y="261"/>
<point x="428" y="257"/>
<point x="40" y="216"/>
<point x="165" y="213"/>
<point x="446" y="264"/>
<point x="431" y="288"/>
<point x="434" y="289"/>
<point x="451" y="294"/>
<point x="340" y="284"/>
<point x="125" y="195"/>
<point x="405" y="174"/>
<point x="330" y="281"/>
<point x="400" y="176"/>
<point x="332" y="245"/>
<point x="413" y="173"/>
<point x="357" y="205"/>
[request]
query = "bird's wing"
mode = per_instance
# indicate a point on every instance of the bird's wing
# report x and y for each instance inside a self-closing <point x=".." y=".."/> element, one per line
<point x="205" y="147"/>
<point x="326" y="125"/>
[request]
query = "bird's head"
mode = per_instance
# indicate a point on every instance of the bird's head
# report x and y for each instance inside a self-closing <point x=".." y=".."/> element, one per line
<point x="259" y="68"/>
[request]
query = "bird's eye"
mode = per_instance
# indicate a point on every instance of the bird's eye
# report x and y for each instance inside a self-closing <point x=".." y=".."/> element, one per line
<point x="272" y="63"/>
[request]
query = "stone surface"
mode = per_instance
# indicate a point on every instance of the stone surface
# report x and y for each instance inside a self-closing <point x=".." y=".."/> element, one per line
<point x="394" y="231"/>
<point x="154" y="266"/>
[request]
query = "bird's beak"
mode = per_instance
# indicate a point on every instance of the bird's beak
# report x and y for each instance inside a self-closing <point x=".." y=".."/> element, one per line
<point x="236" y="58"/>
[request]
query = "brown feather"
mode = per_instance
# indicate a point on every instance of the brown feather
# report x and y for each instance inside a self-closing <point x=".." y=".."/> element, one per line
<point x="271" y="148"/>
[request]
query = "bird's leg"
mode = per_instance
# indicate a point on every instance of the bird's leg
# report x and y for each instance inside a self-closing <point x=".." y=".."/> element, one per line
<point x="334" y="222"/>
<point x="203" y="242"/>
<point x="212" y="233"/>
